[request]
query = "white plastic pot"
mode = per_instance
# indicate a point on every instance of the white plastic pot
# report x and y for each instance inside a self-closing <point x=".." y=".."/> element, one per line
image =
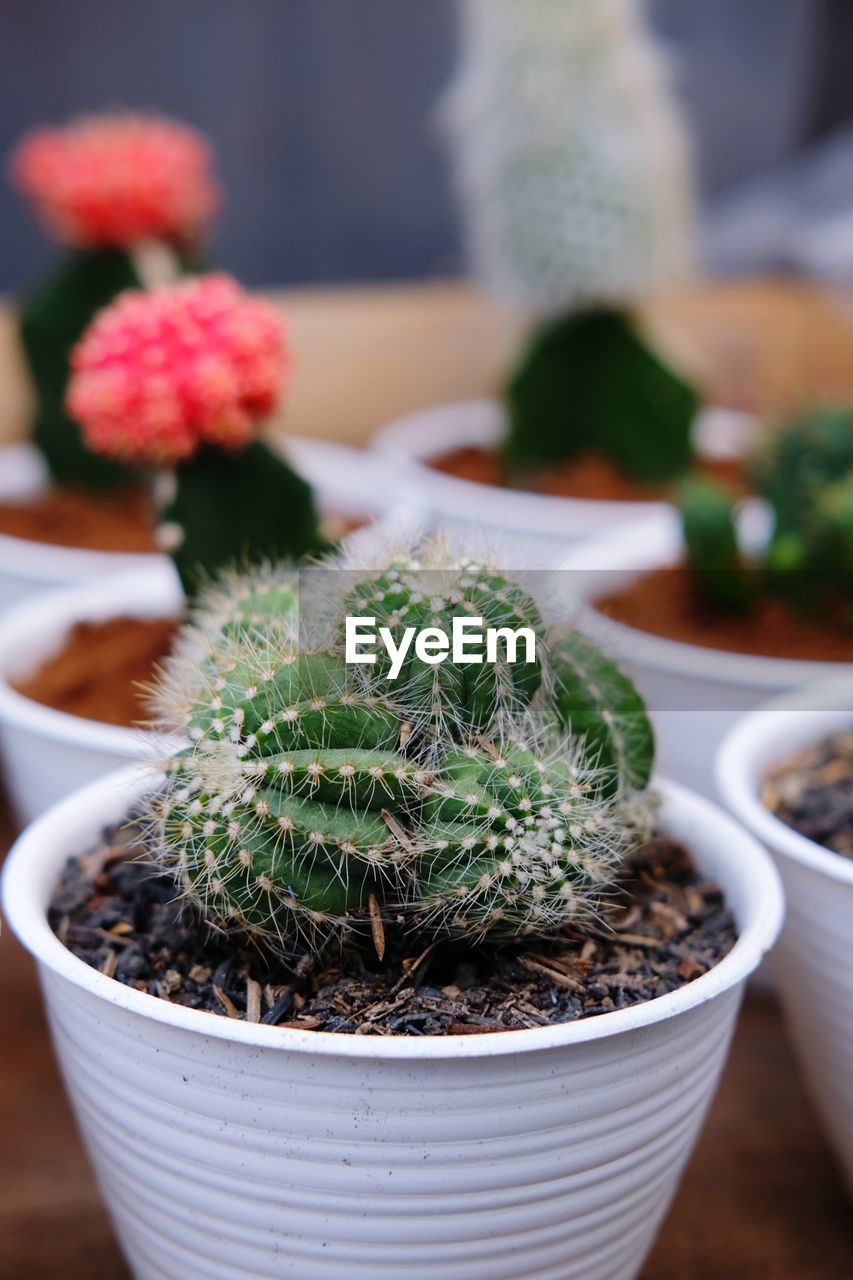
<point x="694" y="694"/>
<point x="44" y="753"/>
<point x="813" y="963"/>
<point x="525" y="530"/>
<point x="28" y="567"/>
<point x="229" y="1151"/>
<point x="348" y="482"/>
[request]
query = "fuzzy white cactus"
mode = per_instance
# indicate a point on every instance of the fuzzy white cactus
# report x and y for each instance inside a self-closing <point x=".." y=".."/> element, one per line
<point x="569" y="155"/>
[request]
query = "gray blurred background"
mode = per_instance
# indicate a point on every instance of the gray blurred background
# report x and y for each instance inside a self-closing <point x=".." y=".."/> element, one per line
<point x="322" y="113"/>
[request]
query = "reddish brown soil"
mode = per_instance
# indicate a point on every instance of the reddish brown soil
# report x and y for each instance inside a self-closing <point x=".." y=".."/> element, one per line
<point x="100" y="668"/>
<point x="664" y="603"/>
<point x="69" y="518"/>
<point x="590" y="476"/>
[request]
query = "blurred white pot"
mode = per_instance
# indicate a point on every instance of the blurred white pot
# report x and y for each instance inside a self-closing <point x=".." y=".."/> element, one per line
<point x="28" y="567"/>
<point x="44" y="753"/>
<point x="265" y="1151"/>
<point x="524" y="529"/>
<point x="348" y="483"/>
<point x="814" y="961"/>
<point x="694" y="694"/>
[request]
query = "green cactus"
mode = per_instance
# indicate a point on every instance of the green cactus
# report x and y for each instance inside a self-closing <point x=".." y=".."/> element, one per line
<point x="588" y="382"/>
<point x="430" y="591"/>
<point x="305" y="803"/>
<point x="273" y="817"/>
<point x="804" y="473"/>
<point x="514" y="841"/>
<point x="598" y="704"/>
<point x="711" y="541"/>
<point x="51" y="322"/>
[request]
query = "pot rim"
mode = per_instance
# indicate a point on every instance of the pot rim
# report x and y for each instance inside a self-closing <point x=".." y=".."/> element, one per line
<point x="36" y="856"/>
<point x="758" y="741"/>
<point x="54" y="613"/>
<point x="415" y="437"/>
<point x="153" y="578"/>
<point x="48" y="562"/>
<point x="654" y="542"/>
<point x="342" y="475"/>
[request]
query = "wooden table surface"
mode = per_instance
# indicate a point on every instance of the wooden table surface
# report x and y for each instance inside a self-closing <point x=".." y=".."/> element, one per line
<point x="362" y="356"/>
<point x="761" y="1199"/>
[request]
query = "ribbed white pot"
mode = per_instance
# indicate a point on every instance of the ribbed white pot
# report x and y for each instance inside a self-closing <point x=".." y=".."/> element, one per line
<point x="694" y="694"/>
<point x="813" y="963"/>
<point x="227" y="1150"/>
<point x="351" y="483"/>
<point x="525" y="530"/>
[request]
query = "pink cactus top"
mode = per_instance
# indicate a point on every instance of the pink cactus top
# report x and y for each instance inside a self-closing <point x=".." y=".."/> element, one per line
<point x="158" y="374"/>
<point x="118" y="179"/>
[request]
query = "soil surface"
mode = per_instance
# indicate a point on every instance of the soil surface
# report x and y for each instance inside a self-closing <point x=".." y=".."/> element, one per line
<point x="118" y="914"/>
<point x="813" y="793"/>
<point x="70" y="518"/>
<point x="664" y="603"/>
<point x="99" y="671"/>
<point x="590" y="476"/>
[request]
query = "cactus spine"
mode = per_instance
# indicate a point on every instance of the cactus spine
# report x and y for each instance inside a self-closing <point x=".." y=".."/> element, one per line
<point x="425" y="591"/>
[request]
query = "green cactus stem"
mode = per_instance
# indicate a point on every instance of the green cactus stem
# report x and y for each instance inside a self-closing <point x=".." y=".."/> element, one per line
<point x="51" y="322"/>
<point x="273" y="818"/>
<point x="453" y="698"/>
<point x="600" y="708"/>
<point x="514" y="841"/>
<point x="588" y="382"/>
<point x="804" y="473"/>
<point x="713" y="553"/>
<point x="242" y="507"/>
<point x="307" y="805"/>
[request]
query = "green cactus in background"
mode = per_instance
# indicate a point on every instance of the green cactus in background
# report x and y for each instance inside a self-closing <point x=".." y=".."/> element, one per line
<point x="588" y="382"/>
<point x="306" y="806"/>
<point x="51" y="322"/>
<point x="713" y="551"/>
<point x="804" y="474"/>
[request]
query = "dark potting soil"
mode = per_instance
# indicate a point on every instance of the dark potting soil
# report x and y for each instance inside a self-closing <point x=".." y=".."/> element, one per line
<point x="588" y="476"/>
<point x="113" y="910"/>
<point x="102" y="669"/>
<point x="70" y="518"/>
<point x="664" y="603"/>
<point x="813" y="793"/>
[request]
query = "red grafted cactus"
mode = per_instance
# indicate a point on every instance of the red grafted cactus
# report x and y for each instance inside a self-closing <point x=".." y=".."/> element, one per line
<point x="116" y="180"/>
<point x="159" y="374"/>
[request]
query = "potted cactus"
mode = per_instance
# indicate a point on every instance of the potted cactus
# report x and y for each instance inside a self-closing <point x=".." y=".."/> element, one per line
<point x="785" y="772"/>
<point x="375" y="988"/>
<point x="132" y="199"/>
<point x="577" y="201"/>
<point x="715" y="610"/>
<point x="175" y="382"/>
